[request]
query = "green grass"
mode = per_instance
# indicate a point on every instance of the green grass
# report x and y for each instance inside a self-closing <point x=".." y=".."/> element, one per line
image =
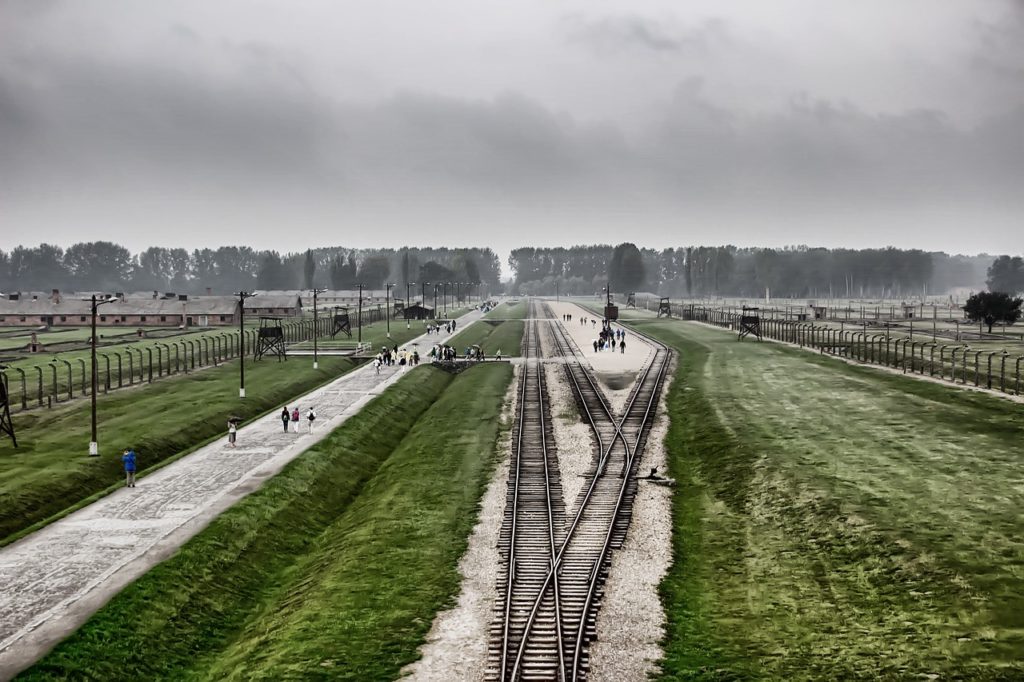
<point x="491" y="336"/>
<point x="50" y="471"/>
<point x="837" y="522"/>
<point x="509" y="311"/>
<point x="333" y="569"/>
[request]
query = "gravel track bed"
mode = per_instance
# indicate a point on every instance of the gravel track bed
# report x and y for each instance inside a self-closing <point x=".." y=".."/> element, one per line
<point x="631" y="622"/>
<point x="456" y="646"/>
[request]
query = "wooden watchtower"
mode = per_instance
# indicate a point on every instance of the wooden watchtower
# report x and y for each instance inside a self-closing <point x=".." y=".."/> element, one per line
<point x="6" y="425"/>
<point x="270" y="339"/>
<point x="631" y="300"/>
<point x="664" y="307"/>
<point x="341" y="322"/>
<point x="750" y="323"/>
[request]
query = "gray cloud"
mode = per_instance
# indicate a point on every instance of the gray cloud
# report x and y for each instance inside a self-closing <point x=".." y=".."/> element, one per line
<point x="219" y="136"/>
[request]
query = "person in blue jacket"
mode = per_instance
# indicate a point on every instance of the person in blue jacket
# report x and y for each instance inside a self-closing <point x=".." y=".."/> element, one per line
<point x="128" y="457"/>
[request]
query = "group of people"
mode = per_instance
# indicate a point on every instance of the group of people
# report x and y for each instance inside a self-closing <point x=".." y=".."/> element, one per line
<point x="584" y="320"/>
<point x="567" y="317"/>
<point x="390" y="356"/>
<point x="609" y="338"/>
<point x="290" y="420"/>
<point x="448" y="327"/>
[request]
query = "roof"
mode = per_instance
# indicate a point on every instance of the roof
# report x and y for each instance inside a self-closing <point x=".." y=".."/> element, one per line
<point x="200" y="305"/>
<point x="273" y="301"/>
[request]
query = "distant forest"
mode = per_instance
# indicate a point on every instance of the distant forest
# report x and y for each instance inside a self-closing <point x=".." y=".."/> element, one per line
<point x="686" y="271"/>
<point x="798" y="271"/>
<point x="105" y="266"/>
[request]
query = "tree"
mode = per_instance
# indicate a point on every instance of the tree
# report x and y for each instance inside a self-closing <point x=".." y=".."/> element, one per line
<point x="626" y="268"/>
<point x="991" y="307"/>
<point x="1006" y="274"/>
<point x="271" y="273"/>
<point x="373" y="271"/>
<point x="308" y="270"/>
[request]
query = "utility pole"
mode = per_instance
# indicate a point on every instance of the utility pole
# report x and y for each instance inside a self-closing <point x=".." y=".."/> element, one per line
<point x="387" y="304"/>
<point x="316" y="329"/>
<point x="423" y="293"/>
<point x="407" y="302"/>
<point x="94" y="446"/>
<point x="444" y="298"/>
<point x="435" y="301"/>
<point x="242" y="295"/>
<point x="360" y="314"/>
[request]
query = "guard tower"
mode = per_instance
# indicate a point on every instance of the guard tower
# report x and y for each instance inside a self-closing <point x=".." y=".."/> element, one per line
<point x="664" y="307"/>
<point x="6" y="425"/>
<point x="398" y="309"/>
<point x="341" y="322"/>
<point x="750" y="323"/>
<point x="270" y="339"/>
<point x="631" y="300"/>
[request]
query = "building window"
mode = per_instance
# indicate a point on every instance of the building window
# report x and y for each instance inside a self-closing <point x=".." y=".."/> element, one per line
<point x="82" y="318"/>
<point x="143" y="318"/>
<point x="103" y="318"/>
<point x="124" y="318"/>
<point x="223" y="318"/>
<point x="163" y="318"/>
<point x="22" y="318"/>
<point x="63" y="318"/>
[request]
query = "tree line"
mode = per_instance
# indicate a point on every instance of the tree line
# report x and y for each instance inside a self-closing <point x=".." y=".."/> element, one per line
<point x="797" y="271"/>
<point x="110" y="267"/>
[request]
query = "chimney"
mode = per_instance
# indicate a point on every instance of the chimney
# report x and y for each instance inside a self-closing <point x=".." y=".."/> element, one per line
<point x="156" y="295"/>
<point x="55" y="295"/>
<point x="120" y="296"/>
<point x="209" y="291"/>
<point x="182" y="297"/>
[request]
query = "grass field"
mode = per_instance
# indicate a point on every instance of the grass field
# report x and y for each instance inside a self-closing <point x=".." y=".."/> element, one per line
<point x="837" y="522"/>
<point x="509" y="311"/>
<point x="50" y="471"/>
<point x="333" y="569"/>
<point x="491" y="336"/>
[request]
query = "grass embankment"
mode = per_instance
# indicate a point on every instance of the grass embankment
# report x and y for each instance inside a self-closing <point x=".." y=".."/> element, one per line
<point x="491" y="336"/>
<point x="50" y="470"/>
<point x="333" y="569"/>
<point x="508" y="311"/>
<point x="836" y="522"/>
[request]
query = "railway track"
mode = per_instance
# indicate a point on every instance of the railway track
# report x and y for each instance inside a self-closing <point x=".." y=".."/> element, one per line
<point x="554" y="616"/>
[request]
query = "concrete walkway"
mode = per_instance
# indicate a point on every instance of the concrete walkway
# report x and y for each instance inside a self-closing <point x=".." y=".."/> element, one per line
<point x="54" y="579"/>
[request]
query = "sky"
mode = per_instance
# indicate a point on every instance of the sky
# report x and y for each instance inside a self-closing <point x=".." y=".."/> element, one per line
<point x="286" y="125"/>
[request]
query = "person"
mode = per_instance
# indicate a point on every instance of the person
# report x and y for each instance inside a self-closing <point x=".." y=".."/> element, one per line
<point x="595" y="345"/>
<point x="497" y="356"/>
<point x="376" y="364"/>
<point x="232" y="432"/>
<point x="128" y="459"/>
<point x="295" y="419"/>
<point x="285" y="418"/>
<point x="622" y="346"/>
<point x="311" y="416"/>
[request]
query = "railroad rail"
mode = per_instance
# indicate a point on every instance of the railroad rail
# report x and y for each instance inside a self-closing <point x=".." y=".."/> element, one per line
<point x="565" y="586"/>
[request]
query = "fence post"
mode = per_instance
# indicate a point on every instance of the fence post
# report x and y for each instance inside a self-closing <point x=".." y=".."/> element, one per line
<point x="40" y="370"/>
<point x="106" y="377"/>
<point x="24" y="388"/>
<point x="149" y="352"/>
<point x="82" y="363"/>
<point x="120" y="381"/>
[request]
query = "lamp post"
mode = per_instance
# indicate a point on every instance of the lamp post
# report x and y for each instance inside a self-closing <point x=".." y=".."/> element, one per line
<point x="94" y="447"/>
<point x="407" y="302"/>
<point x="242" y="295"/>
<point x="423" y="293"/>
<point x="444" y="297"/>
<point x="387" y="304"/>
<point x="316" y="329"/>
<point x="435" y="301"/>
<point x="359" y="338"/>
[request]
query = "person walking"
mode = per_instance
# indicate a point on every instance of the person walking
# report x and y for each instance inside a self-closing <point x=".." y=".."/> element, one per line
<point x="232" y="432"/>
<point x="622" y="346"/>
<point x="497" y="356"/>
<point x="128" y="460"/>
<point x="311" y="417"/>
<point x="295" y="419"/>
<point x="285" y="418"/>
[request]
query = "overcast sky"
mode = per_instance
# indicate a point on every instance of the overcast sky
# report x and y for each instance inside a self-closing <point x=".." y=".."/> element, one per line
<point x="284" y="124"/>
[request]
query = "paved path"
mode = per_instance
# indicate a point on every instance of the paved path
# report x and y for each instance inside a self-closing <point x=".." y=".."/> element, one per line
<point x="54" y="579"/>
